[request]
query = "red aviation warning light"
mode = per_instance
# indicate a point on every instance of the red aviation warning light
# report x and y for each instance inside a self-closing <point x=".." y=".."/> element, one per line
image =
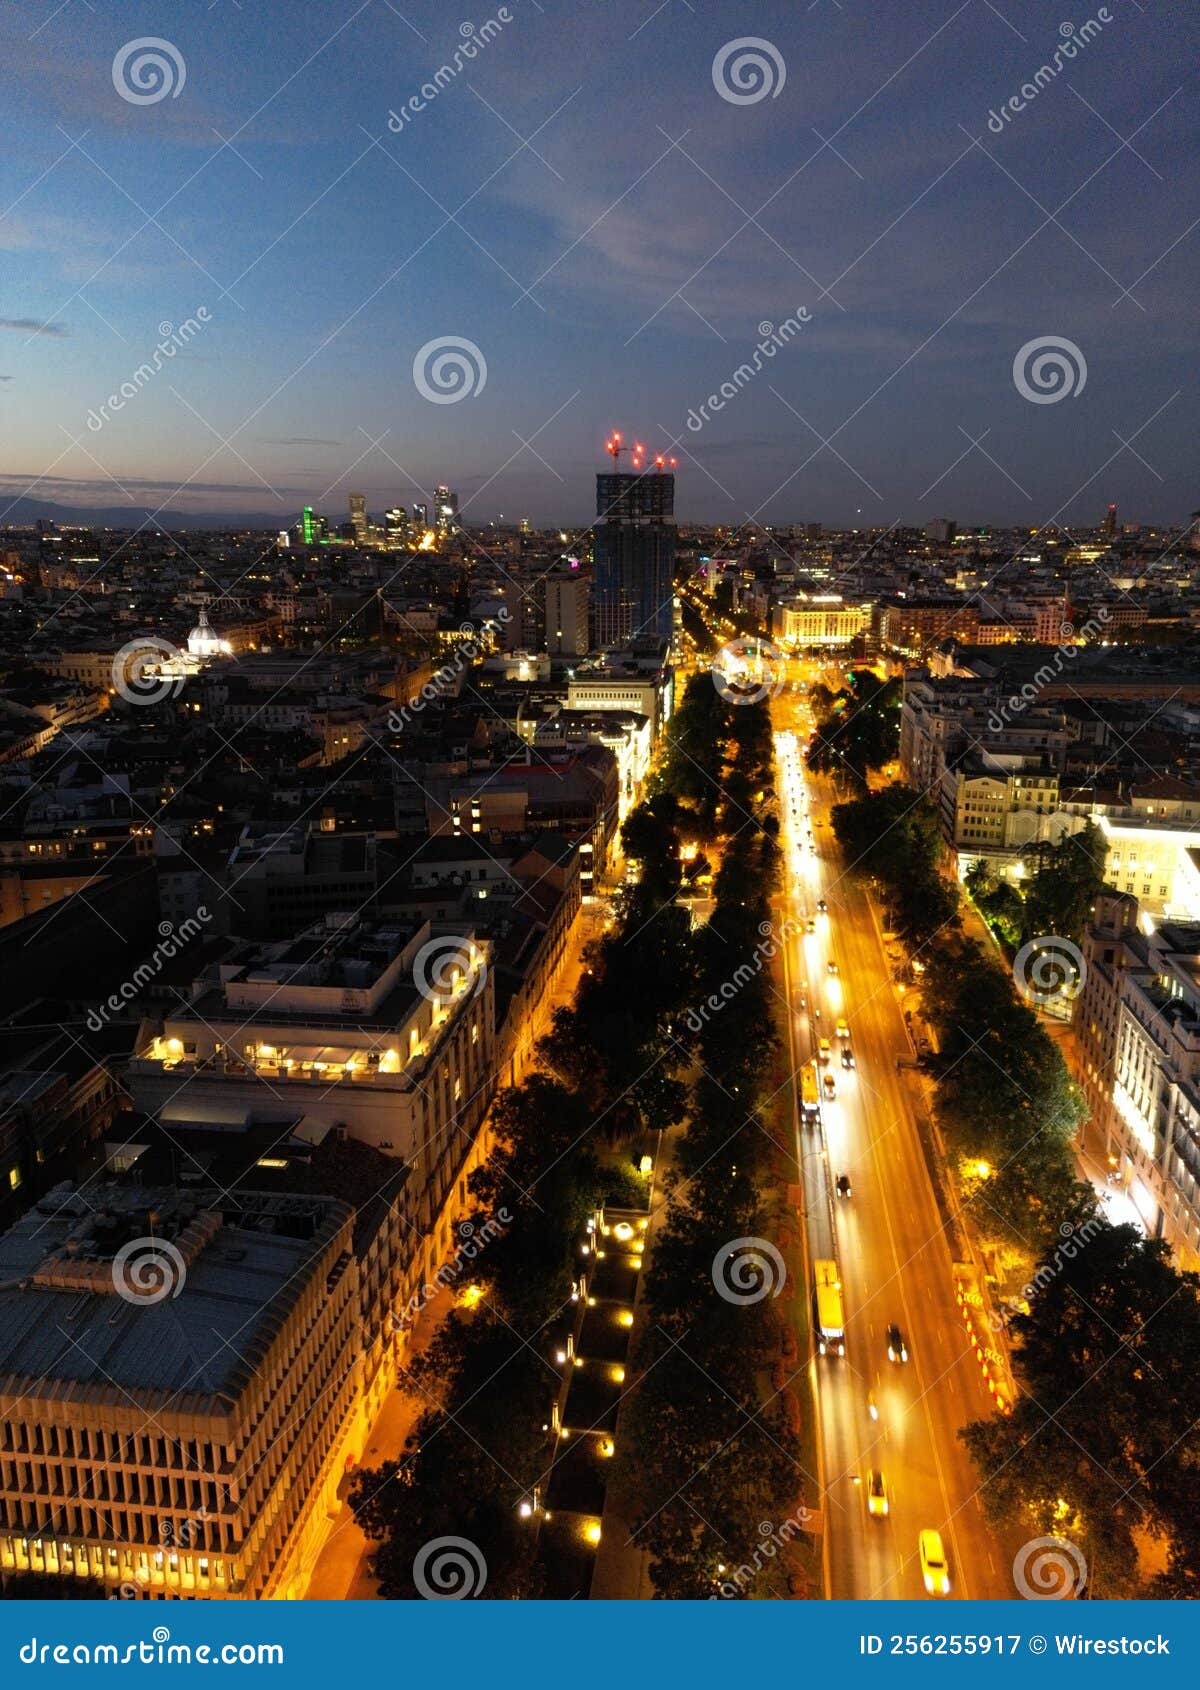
<point x="637" y="453"/>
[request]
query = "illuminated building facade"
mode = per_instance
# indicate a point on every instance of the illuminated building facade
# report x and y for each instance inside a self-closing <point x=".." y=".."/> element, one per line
<point x="820" y="621"/>
<point x="1137" y="1025"/>
<point x="187" y="1444"/>
<point x="384" y="1032"/>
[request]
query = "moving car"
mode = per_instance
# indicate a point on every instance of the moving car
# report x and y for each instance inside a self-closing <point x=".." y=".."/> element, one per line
<point x="847" y="1057"/>
<point x="897" y="1348"/>
<point x="935" y="1569"/>
<point x="843" y="1185"/>
<point x="822" y="907"/>
<point x="831" y="967"/>
<point x="810" y="926"/>
<point x="830" y="1088"/>
<point x="823" y="1050"/>
<point x="877" y="1496"/>
<point x="843" y="1030"/>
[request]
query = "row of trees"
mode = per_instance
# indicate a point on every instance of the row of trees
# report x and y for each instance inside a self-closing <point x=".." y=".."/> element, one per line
<point x="894" y="837"/>
<point x="608" y="1070"/>
<point x="705" y="1457"/>
<point x="1100" y="1449"/>
<point x="1004" y="1099"/>
<point x="857" y="727"/>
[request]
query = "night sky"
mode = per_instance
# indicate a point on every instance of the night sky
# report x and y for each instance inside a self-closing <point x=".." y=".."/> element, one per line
<point x="584" y="207"/>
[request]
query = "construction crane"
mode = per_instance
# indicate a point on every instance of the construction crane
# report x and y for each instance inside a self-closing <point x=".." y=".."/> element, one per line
<point x="637" y="451"/>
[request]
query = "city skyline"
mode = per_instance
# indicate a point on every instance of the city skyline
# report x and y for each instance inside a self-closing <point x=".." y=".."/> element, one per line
<point x="282" y="268"/>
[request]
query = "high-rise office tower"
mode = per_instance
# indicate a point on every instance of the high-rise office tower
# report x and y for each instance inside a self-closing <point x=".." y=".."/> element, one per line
<point x="1110" y="522"/>
<point x="634" y="549"/>
<point x="312" y="529"/>
<point x="445" y="510"/>
<point x="420" y="517"/>
<point x="358" y="517"/>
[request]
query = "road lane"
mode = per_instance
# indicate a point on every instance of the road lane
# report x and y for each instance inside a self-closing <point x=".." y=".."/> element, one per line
<point x="895" y="1259"/>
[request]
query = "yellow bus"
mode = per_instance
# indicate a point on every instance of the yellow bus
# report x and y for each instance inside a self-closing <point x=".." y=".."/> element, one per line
<point x="828" y="1317"/>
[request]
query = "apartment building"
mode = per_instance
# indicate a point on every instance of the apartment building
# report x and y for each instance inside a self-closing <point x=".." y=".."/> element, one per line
<point x="1137" y="1026"/>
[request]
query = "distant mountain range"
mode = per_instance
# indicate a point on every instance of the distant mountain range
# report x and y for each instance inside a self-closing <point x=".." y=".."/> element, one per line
<point x="24" y="512"/>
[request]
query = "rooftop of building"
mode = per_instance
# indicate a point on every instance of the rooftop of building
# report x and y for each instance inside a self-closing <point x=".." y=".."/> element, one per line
<point x="76" y="1316"/>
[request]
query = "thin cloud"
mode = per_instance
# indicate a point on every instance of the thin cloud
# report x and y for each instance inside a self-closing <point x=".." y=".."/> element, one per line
<point x="30" y="325"/>
<point x="296" y="440"/>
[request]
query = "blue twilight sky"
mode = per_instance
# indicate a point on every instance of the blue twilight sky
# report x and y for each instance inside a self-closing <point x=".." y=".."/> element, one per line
<point x="582" y="205"/>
